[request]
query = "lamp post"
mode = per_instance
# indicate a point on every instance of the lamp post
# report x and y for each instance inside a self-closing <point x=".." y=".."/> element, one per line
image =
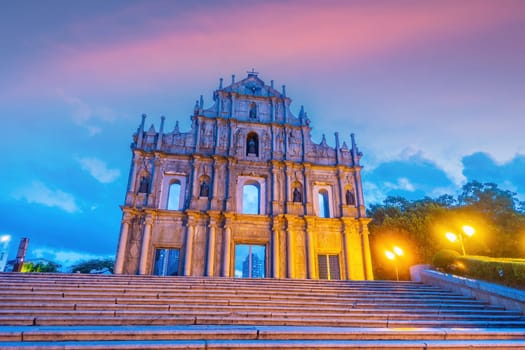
<point x="392" y="255"/>
<point x="465" y="230"/>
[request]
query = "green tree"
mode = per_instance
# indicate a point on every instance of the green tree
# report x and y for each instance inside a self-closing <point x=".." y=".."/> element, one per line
<point x="419" y="226"/>
<point x="93" y="265"/>
<point x="40" y="267"/>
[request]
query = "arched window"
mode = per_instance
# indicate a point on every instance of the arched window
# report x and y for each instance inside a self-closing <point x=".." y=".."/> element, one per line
<point x="174" y="196"/>
<point x="251" y="199"/>
<point x="324" y="206"/>
<point x="252" y="144"/>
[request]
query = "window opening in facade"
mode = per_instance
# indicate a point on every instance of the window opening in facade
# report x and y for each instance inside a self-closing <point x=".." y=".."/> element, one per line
<point x="174" y="196"/>
<point x="251" y="195"/>
<point x="166" y="262"/>
<point x="324" y="207"/>
<point x="250" y="261"/>
<point x="329" y="267"/>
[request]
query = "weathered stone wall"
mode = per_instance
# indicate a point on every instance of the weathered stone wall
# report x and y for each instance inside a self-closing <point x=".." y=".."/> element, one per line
<point x="309" y="197"/>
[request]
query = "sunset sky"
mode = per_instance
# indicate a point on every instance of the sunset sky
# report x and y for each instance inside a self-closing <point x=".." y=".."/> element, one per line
<point x="433" y="90"/>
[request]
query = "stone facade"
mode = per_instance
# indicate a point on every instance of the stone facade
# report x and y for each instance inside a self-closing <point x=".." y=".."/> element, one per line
<point x="189" y="210"/>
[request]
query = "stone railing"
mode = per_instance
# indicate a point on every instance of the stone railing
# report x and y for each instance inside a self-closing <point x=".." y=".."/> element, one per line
<point x="510" y="298"/>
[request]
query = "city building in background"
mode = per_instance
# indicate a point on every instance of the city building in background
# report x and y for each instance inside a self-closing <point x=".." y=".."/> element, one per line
<point x="4" y="250"/>
<point x="245" y="193"/>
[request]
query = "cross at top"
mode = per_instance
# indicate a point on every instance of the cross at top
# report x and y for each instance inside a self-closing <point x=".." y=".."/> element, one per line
<point x="252" y="72"/>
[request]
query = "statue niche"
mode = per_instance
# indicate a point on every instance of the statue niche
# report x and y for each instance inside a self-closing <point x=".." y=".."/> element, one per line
<point x="350" y="198"/>
<point x="144" y="184"/>
<point x="252" y="144"/>
<point x="204" y="190"/>
<point x="297" y="195"/>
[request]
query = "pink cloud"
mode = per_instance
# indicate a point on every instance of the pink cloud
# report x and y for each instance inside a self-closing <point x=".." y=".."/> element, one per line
<point x="271" y="35"/>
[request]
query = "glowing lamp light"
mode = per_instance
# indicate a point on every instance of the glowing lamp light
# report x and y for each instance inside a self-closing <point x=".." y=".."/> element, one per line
<point x="390" y="255"/>
<point x="398" y="250"/>
<point x="451" y="236"/>
<point x="5" y="238"/>
<point x="469" y="230"/>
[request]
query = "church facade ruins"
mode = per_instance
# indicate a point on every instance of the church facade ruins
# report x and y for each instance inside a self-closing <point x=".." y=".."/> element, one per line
<point x="244" y="193"/>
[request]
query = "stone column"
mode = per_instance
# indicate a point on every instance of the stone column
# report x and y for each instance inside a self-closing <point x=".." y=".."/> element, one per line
<point x="156" y="179"/>
<point x="360" y="200"/>
<point x="308" y="192"/>
<point x="211" y="249"/>
<point x="146" y="240"/>
<point x="288" y="169"/>
<point x="193" y="183"/>
<point x="188" y="253"/>
<point x="369" y="274"/>
<point x="275" y="252"/>
<point x="276" y="188"/>
<point x="310" y="243"/>
<point x="347" y="241"/>
<point x="219" y="184"/>
<point x="135" y="167"/>
<point x="309" y="254"/>
<point x="340" y="191"/>
<point x="122" y="244"/>
<point x="290" y="252"/>
<point x="198" y="124"/>
<point x="226" y="258"/>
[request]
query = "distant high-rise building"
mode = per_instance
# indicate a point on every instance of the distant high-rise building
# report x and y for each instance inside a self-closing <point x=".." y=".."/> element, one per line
<point x="253" y="266"/>
<point x="246" y="174"/>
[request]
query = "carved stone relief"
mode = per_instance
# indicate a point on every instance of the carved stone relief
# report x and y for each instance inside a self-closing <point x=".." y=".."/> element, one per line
<point x="239" y="141"/>
<point x="279" y="140"/>
<point x="223" y="137"/>
<point x="294" y="142"/>
<point x="207" y="134"/>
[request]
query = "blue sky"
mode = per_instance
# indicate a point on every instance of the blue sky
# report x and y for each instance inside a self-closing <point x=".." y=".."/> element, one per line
<point x="433" y="90"/>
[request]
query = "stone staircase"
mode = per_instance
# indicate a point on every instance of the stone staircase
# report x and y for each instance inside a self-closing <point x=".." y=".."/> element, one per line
<point x="59" y="311"/>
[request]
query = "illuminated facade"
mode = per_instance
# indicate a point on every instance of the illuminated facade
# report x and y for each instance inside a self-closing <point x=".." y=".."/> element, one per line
<point x="246" y="182"/>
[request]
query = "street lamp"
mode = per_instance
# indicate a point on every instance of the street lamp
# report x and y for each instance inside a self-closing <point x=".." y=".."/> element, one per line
<point x="465" y="230"/>
<point x="392" y="255"/>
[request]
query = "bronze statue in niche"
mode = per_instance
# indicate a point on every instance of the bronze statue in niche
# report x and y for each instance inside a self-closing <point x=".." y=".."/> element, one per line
<point x="252" y="144"/>
<point x="144" y="184"/>
<point x="205" y="189"/>
<point x="297" y="195"/>
<point x="350" y="198"/>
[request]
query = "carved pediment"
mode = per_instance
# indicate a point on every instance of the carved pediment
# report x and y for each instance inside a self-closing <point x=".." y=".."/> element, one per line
<point x="253" y="86"/>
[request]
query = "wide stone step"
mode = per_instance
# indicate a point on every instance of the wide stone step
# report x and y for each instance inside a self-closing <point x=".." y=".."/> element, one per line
<point x="271" y="344"/>
<point x="268" y="312"/>
<point x="53" y="290"/>
<point x="234" y="319"/>
<point x="99" y="333"/>
<point x="5" y="307"/>
<point x="46" y="311"/>
<point x="230" y="295"/>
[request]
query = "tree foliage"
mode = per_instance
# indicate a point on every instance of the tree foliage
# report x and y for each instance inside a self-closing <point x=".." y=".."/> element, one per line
<point x="40" y="267"/>
<point x="419" y="226"/>
<point x="94" y="266"/>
